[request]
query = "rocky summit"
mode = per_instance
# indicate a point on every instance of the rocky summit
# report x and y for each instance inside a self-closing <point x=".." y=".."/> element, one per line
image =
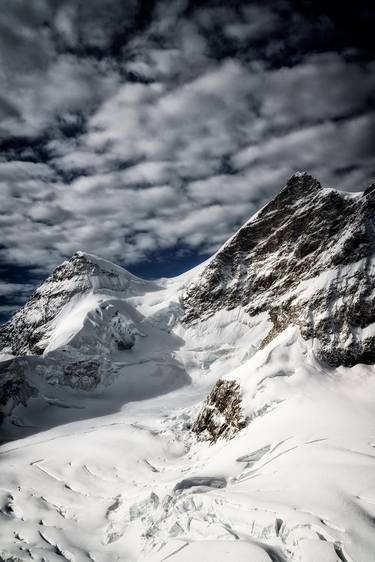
<point x="307" y="259"/>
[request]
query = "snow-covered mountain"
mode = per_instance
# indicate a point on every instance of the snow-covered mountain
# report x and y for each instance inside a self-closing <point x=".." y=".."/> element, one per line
<point x="58" y="306"/>
<point x="226" y="413"/>
<point x="305" y="259"/>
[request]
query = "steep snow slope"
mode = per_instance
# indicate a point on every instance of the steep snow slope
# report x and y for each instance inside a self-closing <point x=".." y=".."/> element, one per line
<point x="114" y="451"/>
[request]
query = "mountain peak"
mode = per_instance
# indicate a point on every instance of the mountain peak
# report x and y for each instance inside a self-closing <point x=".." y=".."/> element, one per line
<point x="27" y="331"/>
<point x="300" y="260"/>
<point x="299" y="185"/>
<point x="82" y="263"/>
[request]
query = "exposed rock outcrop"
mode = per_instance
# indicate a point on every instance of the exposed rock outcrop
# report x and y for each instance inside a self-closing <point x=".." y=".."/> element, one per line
<point x="15" y="389"/>
<point x="221" y="414"/>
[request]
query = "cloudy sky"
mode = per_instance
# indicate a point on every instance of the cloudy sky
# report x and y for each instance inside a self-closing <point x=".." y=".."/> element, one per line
<point x="147" y="132"/>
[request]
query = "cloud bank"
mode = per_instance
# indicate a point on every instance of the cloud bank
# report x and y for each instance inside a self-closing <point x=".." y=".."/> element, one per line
<point x="134" y="129"/>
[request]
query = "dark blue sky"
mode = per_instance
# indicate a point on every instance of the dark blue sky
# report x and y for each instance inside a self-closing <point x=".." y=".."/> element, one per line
<point x="147" y="132"/>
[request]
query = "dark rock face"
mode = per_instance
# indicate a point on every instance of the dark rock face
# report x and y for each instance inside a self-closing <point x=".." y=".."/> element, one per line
<point x="27" y="332"/>
<point x="221" y="414"/>
<point x="84" y="375"/>
<point x="305" y="259"/>
<point x="15" y="389"/>
<point x="19" y="389"/>
<point x="200" y="481"/>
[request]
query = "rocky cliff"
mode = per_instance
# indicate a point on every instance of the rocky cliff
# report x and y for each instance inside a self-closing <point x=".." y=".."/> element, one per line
<point x="306" y="258"/>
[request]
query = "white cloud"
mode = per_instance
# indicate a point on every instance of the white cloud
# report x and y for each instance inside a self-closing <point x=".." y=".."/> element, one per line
<point x="67" y="85"/>
<point x="320" y="149"/>
<point x="256" y="22"/>
<point x="7" y="288"/>
<point x="15" y="171"/>
<point x="181" y="157"/>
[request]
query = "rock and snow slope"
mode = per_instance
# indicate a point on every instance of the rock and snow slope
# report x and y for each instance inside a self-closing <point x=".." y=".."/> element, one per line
<point x="307" y="258"/>
<point x="57" y="308"/>
<point x="114" y="452"/>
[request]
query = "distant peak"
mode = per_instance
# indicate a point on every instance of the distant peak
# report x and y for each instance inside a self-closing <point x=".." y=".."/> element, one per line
<point x="302" y="177"/>
<point x="80" y="263"/>
<point x="79" y="254"/>
<point x="82" y="260"/>
<point x="90" y="264"/>
<point x="84" y="256"/>
<point x="299" y="185"/>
